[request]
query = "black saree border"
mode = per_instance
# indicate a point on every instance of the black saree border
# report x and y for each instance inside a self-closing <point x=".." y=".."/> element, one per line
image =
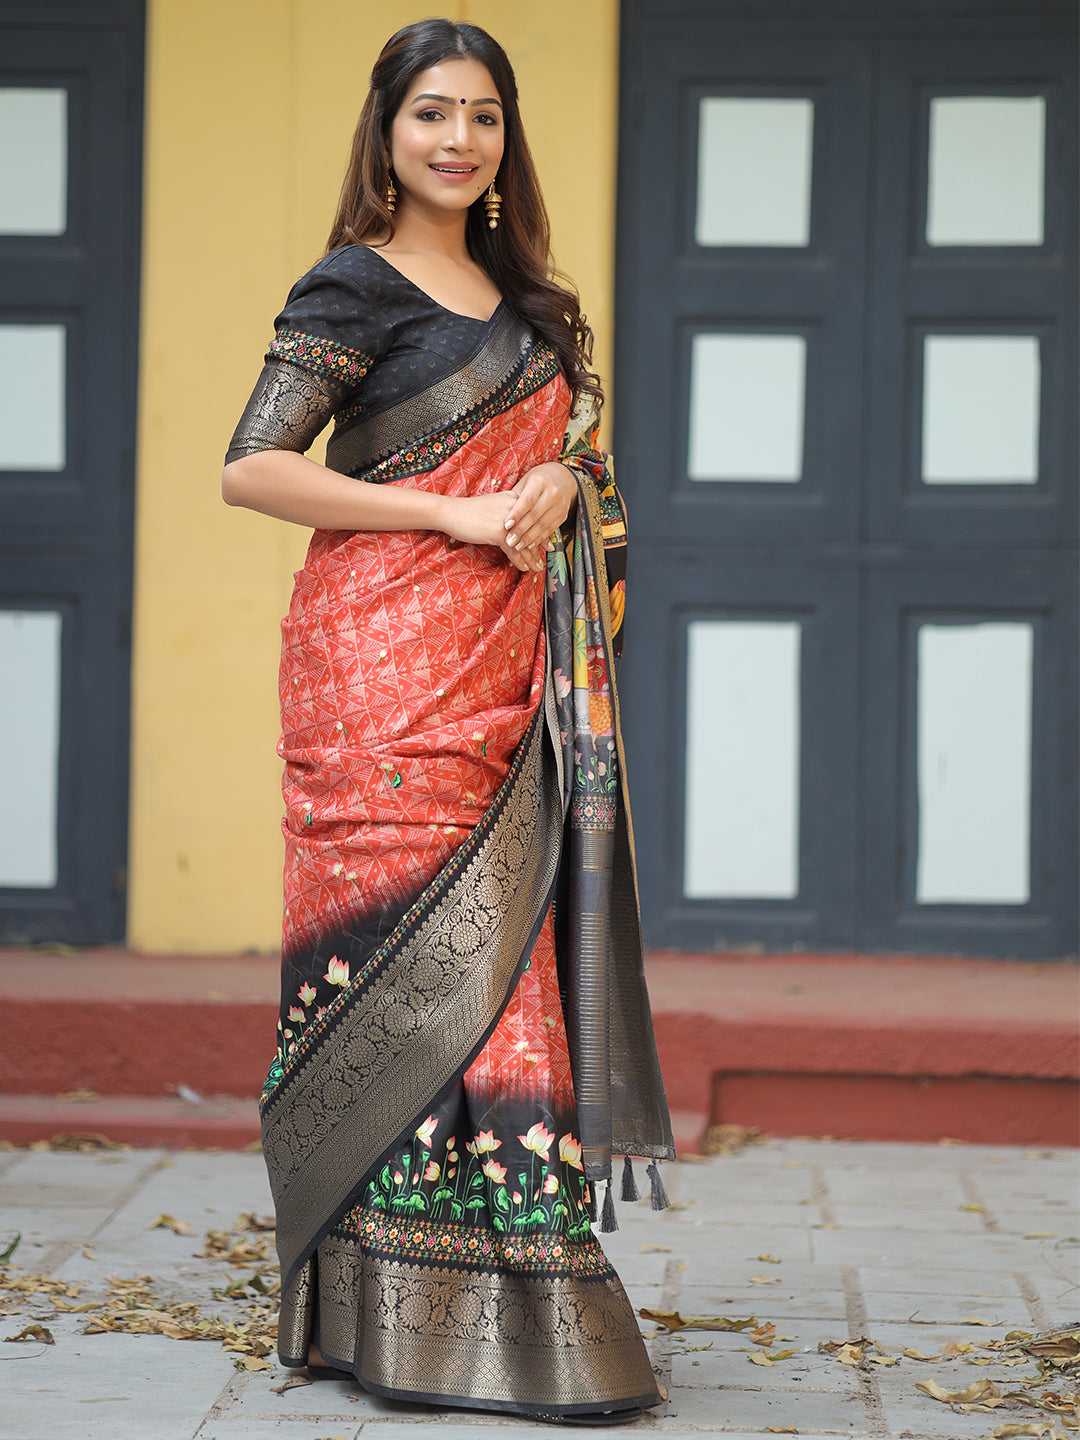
<point x="627" y="1108"/>
<point x="372" y="450"/>
<point x="497" y="1340"/>
<point x="419" y="1014"/>
<point x="422" y="452"/>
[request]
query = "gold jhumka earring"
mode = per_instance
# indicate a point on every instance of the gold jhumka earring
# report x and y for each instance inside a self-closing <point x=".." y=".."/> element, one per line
<point x="391" y="194"/>
<point x="492" y="201"/>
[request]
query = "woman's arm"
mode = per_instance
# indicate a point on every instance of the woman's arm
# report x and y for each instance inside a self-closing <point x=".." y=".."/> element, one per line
<point x="288" y="486"/>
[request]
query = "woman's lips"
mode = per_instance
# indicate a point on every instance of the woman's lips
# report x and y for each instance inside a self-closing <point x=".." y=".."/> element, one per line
<point x="454" y="176"/>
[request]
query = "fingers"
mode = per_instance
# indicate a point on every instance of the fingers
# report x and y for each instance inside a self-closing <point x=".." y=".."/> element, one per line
<point x="541" y="503"/>
<point x="528" y="558"/>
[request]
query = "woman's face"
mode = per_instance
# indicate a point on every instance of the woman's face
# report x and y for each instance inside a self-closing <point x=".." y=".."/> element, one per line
<point x="446" y="141"/>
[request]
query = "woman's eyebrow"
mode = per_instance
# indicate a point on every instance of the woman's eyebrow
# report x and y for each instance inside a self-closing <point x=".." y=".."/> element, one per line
<point x="449" y="100"/>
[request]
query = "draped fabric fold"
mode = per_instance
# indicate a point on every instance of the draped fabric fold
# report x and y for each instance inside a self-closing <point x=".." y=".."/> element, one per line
<point x="465" y="1033"/>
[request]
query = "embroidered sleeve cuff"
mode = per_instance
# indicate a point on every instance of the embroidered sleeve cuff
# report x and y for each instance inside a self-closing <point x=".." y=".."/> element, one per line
<point x="329" y="359"/>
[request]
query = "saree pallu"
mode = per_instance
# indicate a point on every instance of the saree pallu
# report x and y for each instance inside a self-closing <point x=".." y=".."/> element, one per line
<point x="444" y="724"/>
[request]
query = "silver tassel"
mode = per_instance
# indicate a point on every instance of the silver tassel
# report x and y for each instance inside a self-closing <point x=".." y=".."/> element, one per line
<point x="629" y="1184"/>
<point x="659" y="1194"/>
<point x="608" y="1220"/>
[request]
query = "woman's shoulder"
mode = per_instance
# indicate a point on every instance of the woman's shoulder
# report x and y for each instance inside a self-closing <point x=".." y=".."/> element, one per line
<point x="353" y="267"/>
<point x="345" y="294"/>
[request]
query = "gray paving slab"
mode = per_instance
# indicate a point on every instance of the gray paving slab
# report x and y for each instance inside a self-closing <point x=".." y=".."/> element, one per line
<point x="871" y="1239"/>
<point x="78" y="1179"/>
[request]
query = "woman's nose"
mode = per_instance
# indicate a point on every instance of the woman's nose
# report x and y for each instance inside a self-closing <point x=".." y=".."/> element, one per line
<point x="459" y="137"/>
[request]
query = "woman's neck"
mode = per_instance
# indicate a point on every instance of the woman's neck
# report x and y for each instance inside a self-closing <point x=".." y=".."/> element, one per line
<point x="439" y="234"/>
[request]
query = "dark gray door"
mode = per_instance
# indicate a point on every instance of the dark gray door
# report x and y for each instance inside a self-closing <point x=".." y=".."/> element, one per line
<point x="846" y="374"/>
<point x="70" y="155"/>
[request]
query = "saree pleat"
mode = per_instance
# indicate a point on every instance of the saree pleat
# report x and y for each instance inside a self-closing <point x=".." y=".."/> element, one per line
<point x="424" y="1121"/>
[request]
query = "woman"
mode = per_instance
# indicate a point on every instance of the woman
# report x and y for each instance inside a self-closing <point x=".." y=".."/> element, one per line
<point x="457" y="842"/>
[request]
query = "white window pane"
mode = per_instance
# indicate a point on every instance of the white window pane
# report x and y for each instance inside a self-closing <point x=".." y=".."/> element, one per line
<point x="742" y="760"/>
<point x="747" y="402"/>
<point x="754" y="181"/>
<point x="974" y="764"/>
<point x="32" y="366"/>
<point x="33" y="161"/>
<point x="30" y="738"/>
<point x="986" y="168"/>
<point x="981" y="409"/>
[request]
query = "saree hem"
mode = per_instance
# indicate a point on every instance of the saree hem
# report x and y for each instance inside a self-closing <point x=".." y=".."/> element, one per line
<point x="539" y="1343"/>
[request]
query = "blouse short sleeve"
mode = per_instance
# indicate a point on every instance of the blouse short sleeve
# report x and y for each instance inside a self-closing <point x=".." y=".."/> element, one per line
<point x="327" y="337"/>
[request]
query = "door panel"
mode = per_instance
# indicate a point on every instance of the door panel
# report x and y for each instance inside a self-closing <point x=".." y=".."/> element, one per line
<point x="70" y="119"/>
<point x="847" y="283"/>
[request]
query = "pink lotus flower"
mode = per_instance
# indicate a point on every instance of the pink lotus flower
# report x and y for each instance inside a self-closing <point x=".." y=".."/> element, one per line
<point x="483" y="1143"/>
<point x="307" y="993"/>
<point x="295" y="1013"/>
<point x="337" y="972"/>
<point x="551" y="1184"/>
<point x="450" y="1142"/>
<point x="570" y="1151"/>
<point x="562" y="685"/>
<point x="494" y="1171"/>
<point x="517" y="1197"/>
<point x="398" y="1177"/>
<point x="538" y="1139"/>
<point x="432" y="1170"/>
<point x="425" y="1131"/>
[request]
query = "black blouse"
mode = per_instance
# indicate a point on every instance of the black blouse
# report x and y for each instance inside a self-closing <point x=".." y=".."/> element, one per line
<point x="357" y="339"/>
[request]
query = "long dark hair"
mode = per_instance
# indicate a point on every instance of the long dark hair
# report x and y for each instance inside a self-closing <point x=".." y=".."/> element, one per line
<point x="517" y="255"/>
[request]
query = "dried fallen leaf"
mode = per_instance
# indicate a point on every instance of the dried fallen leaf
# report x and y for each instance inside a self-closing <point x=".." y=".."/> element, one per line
<point x="969" y="1321"/>
<point x="977" y="1393"/>
<point x="257" y="1223"/>
<point x="770" y="1259"/>
<point x="952" y="1348"/>
<point x="32" y="1332"/>
<point x="764" y="1334"/>
<point x="729" y="1139"/>
<point x="671" y="1320"/>
<point x="759" y="1358"/>
<point x="765" y="1280"/>
<point x="1055" y="1347"/>
<point x="780" y="1430"/>
<point x="651" y="1249"/>
<point x="252" y="1362"/>
<point x="1040" y="1235"/>
<point x="1033" y="1427"/>
<point x="883" y="1360"/>
<point x="918" y="1355"/>
<point x="980" y="1208"/>
<point x="169" y="1222"/>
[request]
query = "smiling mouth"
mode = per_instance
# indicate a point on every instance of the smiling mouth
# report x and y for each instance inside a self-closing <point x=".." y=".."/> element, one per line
<point x="455" y="169"/>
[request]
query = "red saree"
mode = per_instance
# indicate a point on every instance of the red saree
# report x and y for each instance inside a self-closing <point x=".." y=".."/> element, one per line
<point x="457" y="851"/>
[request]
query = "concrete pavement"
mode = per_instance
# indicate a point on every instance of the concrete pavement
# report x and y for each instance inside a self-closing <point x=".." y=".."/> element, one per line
<point x="908" y="1245"/>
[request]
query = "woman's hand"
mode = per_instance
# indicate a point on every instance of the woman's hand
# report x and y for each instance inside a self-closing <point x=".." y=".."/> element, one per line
<point x="543" y="498"/>
<point x="481" y="520"/>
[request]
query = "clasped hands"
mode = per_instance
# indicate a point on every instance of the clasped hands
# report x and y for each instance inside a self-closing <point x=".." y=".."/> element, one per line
<point x="520" y="521"/>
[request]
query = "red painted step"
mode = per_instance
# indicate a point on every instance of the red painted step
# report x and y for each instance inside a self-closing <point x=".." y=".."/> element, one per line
<point x="851" y="1046"/>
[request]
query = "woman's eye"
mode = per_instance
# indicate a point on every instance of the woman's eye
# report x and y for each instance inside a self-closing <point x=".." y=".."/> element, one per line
<point x="429" y="115"/>
<point x="487" y="119"/>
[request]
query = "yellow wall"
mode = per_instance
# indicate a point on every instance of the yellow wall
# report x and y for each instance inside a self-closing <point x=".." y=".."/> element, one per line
<point x="250" y="108"/>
